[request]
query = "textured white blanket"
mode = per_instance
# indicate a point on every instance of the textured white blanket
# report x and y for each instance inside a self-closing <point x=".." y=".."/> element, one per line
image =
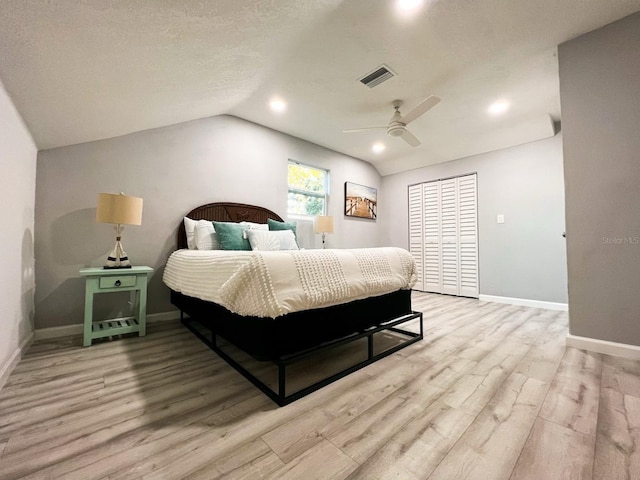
<point x="270" y="284"/>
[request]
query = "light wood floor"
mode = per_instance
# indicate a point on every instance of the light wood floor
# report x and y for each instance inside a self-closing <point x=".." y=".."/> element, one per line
<point x="490" y="393"/>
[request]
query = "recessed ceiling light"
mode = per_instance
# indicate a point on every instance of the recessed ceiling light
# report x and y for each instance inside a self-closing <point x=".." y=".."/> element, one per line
<point x="278" y="105"/>
<point x="498" y="108"/>
<point x="378" y="147"/>
<point x="408" y="5"/>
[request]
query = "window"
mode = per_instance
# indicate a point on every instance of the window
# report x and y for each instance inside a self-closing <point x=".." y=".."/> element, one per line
<point x="308" y="188"/>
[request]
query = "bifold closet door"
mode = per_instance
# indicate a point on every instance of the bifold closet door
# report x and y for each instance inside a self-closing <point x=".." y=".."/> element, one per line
<point x="443" y="236"/>
<point x="415" y="232"/>
<point x="468" y="235"/>
<point x="432" y="255"/>
<point x="449" y="264"/>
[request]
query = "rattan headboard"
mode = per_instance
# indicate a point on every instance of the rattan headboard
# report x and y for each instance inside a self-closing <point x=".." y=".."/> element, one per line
<point x="226" y="212"/>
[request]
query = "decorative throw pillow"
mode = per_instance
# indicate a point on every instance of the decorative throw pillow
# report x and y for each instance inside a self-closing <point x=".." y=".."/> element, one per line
<point x="231" y="235"/>
<point x="255" y="226"/>
<point x="272" y="240"/>
<point x="275" y="225"/>
<point x="206" y="236"/>
<point x="190" y="230"/>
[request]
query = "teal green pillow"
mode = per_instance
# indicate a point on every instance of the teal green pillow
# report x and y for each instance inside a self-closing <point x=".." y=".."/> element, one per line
<point x="231" y="236"/>
<point x="275" y="225"/>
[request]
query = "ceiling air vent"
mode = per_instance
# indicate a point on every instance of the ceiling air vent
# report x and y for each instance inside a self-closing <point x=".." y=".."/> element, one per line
<point x="378" y="76"/>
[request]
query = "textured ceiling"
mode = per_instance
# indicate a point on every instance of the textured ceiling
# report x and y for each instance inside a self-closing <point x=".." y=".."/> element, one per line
<point x="85" y="70"/>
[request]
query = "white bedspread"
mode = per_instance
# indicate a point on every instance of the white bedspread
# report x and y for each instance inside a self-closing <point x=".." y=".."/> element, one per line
<point x="270" y="284"/>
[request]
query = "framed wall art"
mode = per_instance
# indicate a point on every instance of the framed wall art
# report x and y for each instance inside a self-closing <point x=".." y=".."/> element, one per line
<point x="360" y="201"/>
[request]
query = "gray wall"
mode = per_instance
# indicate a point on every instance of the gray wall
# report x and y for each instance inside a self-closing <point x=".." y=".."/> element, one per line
<point x="525" y="257"/>
<point x="174" y="169"/>
<point x="17" y="196"/>
<point x="600" y="99"/>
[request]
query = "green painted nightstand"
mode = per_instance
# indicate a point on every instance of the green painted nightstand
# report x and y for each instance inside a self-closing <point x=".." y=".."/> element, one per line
<point x="100" y="280"/>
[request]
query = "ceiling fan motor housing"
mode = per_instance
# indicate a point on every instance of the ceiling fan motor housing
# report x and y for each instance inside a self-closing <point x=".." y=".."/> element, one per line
<point x="396" y="129"/>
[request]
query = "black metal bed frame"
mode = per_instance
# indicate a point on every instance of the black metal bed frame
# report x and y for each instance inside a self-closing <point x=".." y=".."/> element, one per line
<point x="280" y="397"/>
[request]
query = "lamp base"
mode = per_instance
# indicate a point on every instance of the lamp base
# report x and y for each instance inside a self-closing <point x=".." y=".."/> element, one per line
<point x="118" y="257"/>
<point x="115" y="267"/>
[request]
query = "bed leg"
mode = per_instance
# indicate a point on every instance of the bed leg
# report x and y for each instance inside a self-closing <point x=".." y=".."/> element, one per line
<point x="370" y="346"/>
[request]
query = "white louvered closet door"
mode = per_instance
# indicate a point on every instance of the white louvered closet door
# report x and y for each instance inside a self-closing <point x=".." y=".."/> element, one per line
<point x="432" y="259"/>
<point x="415" y="232"/>
<point x="468" y="235"/>
<point x="443" y="235"/>
<point x="449" y="236"/>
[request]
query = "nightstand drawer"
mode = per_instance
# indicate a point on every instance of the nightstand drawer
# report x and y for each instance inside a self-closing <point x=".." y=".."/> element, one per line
<point x="115" y="282"/>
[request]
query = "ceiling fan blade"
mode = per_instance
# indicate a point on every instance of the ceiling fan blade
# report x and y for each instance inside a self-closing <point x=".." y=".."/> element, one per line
<point x="410" y="138"/>
<point x="365" y="129"/>
<point x="420" y="109"/>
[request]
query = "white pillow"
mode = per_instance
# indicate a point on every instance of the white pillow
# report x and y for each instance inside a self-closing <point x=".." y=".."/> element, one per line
<point x="206" y="236"/>
<point x="272" y="240"/>
<point x="190" y="230"/>
<point x="256" y="226"/>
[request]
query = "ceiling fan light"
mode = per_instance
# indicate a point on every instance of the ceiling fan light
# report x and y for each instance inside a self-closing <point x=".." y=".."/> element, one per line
<point x="395" y="131"/>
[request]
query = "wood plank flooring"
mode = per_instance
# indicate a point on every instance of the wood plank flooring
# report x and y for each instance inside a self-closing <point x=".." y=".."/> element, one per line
<point x="491" y="393"/>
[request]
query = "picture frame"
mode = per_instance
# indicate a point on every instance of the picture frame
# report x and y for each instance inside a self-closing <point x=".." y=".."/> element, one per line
<point x="360" y="201"/>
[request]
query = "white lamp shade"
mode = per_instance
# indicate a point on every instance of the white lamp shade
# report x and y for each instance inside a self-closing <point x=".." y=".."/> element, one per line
<point x="323" y="224"/>
<point x="119" y="208"/>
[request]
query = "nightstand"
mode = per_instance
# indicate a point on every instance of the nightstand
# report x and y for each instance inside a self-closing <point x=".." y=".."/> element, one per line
<point x="100" y="280"/>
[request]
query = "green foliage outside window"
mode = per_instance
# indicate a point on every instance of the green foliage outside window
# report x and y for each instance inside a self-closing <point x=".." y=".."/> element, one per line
<point x="307" y="190"/>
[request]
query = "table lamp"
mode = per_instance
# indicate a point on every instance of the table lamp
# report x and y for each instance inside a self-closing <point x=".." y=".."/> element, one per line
<point x="323" y="224"/>
<point x="119" y="209"/>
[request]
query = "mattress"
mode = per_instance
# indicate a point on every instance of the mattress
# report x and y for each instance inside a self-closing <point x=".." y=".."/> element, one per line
<point x="275" y="283"/>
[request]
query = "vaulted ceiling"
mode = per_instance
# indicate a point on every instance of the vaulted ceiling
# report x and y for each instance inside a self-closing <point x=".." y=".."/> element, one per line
<point x="85" y="70"/>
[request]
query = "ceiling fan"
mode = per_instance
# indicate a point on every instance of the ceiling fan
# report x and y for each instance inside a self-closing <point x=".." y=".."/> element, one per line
<point x="398" y="124"/>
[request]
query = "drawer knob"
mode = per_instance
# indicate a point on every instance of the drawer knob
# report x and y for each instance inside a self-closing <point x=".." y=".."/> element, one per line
<point x="118" y="283"/>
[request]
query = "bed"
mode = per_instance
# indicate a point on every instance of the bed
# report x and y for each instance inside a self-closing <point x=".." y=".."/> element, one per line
<point x="288" y="333"/>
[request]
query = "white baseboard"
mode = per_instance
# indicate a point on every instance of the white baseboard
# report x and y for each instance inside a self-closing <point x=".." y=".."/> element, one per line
<point x="623" y="350"/>
<point x="7" y="368"/>
<point x="525" y="302"/>
<point x="77" y="328"/>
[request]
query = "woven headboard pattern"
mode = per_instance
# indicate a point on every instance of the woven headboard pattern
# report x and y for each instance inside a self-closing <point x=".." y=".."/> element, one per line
<point x="226" y="212"/>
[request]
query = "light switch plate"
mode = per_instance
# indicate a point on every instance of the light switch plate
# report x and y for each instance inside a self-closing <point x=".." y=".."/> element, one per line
<point x="500" y="218"/>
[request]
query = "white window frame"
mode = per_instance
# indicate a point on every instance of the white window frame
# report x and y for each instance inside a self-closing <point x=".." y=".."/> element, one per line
<point x="309" y="193"/>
